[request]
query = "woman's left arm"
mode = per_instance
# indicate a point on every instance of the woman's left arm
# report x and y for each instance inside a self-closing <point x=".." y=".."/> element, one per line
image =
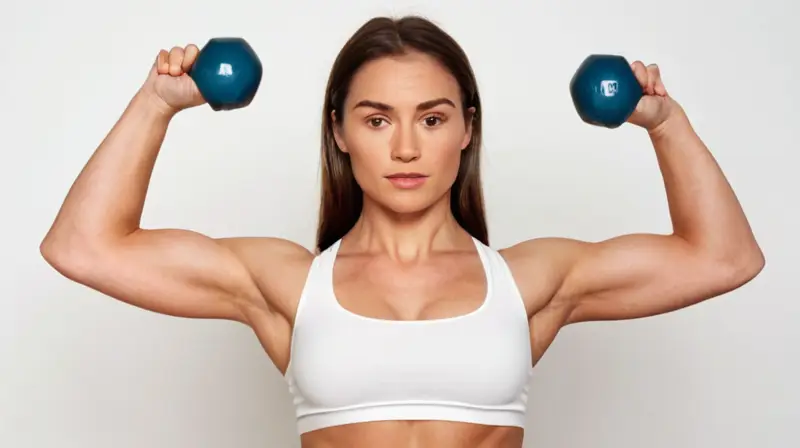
<point x="711" y="250"/>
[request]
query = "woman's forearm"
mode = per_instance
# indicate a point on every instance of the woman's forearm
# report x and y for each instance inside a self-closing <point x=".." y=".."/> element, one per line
<point x="106" y="200"/>
<point x="703" y="207"/>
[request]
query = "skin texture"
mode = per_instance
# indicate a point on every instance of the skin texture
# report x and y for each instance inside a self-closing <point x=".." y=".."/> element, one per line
<point x="406" y="258"/>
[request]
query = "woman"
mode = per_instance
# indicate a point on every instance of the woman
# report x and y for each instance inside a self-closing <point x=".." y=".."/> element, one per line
<point x="403" y="328"/>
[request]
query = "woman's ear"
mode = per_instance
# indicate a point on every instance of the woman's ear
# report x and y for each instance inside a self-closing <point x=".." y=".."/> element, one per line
<point x="469" y="117"/>
<point x="337" y="136"/>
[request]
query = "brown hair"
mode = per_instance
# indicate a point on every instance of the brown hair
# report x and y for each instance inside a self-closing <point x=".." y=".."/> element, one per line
<point x="341" y="197"/>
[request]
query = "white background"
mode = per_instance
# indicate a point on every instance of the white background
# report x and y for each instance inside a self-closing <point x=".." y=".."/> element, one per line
<point x="78" y="369"/>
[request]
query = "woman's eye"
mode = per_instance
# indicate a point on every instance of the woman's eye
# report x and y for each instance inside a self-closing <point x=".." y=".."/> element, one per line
<point x="432" y="121"/>
<point x="375" y="122"/>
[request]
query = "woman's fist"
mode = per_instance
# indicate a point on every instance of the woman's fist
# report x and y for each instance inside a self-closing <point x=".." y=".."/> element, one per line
<point x="169" y="81"/>
<point x="655" y="106"/>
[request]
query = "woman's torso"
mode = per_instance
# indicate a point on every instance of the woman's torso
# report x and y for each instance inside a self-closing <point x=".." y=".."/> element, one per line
<point x="451" y="330"/>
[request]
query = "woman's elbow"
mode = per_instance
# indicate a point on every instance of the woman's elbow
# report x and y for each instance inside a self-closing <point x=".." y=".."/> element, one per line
<point x="69" y="256"/>
<point x="741" y="266"/>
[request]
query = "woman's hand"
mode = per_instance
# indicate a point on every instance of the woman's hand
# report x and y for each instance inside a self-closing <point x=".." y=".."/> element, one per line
<point x="169" y="83"/>
<point x="656" y="106"/>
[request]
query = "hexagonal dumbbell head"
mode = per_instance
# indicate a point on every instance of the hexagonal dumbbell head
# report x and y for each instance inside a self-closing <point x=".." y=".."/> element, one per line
<point x="605" y="91"/>
<point x="227" y="72"/>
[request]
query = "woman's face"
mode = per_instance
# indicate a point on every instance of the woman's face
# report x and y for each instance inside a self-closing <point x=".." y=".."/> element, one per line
<point x="404" y="130"/>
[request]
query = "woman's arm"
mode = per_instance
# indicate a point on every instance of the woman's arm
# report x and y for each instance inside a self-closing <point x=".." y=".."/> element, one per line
<point x="97" y="240"/>
<point x="711" y="250"/>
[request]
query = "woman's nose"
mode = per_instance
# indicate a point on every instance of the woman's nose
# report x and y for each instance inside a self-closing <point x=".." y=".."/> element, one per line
<point x="405" y="145"/>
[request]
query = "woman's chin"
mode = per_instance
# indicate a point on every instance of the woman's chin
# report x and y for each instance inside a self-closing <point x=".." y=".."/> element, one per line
<point x="405" y="204"/>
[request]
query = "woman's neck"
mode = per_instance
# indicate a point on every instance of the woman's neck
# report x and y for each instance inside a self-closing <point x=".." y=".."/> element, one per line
<point x="407" y="237"/>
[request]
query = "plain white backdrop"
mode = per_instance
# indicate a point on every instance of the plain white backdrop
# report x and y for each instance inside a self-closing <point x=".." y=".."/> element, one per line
<point x="79" y="370"/>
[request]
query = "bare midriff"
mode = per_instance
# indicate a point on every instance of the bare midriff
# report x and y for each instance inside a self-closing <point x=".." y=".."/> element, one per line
<point x="414" y="434"/>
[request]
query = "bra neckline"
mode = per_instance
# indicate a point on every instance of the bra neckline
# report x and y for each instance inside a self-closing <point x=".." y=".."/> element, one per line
<point x="334" y="250"/>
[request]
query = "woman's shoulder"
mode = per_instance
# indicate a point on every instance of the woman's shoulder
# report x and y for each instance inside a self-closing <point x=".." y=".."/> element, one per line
<point x="261" y="252"/>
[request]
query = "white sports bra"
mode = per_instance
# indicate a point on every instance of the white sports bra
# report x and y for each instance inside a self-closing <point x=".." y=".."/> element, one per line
<point x="347" y="368"/>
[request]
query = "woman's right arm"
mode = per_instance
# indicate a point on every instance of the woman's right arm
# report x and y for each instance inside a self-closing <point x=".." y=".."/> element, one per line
<point x="96" y="238"/>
